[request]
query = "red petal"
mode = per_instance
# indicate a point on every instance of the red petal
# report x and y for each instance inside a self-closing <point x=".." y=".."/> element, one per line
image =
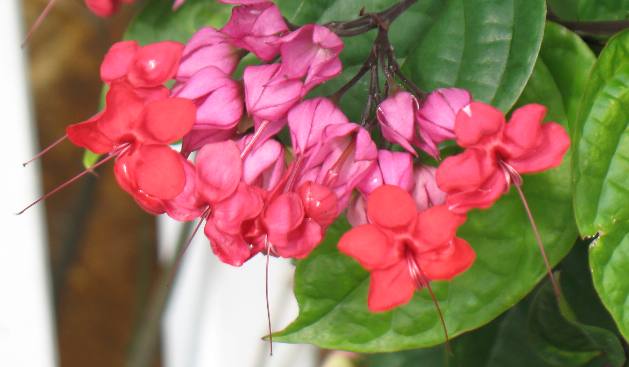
<point x="390" y="288"/>
<point x="481" y="198"/>
<point x="299" y="242"/>
<point x="553" y="145"/>
<point x="230" y="249"/>
<point x="284" y="214"/>
<point x="167" y="120"/>
<point x="244" y="204"/>
<point x="465" y="171"/>
<point x="320" y="203"/>
<point x="122" y="112"/>
<point x="522" y="133"/>
<point x="451" y="261"/>
<point x="437" y="226"/>
<point x="118" y="60"/>
<point x="477" y="121"/>
<point x="391" y="207"/>
<point x="370" y="246"/>
<point x="87" y="135"/>
<point x="156" y="63"/>
<point x="219" y="169"/>
<point x="187" y="205"/>
<point x="158" y="171"/>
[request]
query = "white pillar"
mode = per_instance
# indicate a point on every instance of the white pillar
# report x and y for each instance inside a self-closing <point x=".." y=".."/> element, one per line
<point x="26" y="331"/>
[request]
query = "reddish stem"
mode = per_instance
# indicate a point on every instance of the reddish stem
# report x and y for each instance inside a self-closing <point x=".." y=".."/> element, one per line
<point x="540" y="244"/>
<point x="39" y="21"/>
<point x="45" y="150"/>
<point x="266" y="293"/>
<point x="180" y="254"/>
<point x="68" y="182"/>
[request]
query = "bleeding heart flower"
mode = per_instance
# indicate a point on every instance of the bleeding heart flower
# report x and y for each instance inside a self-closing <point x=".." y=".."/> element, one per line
<point x="219" y="107"/>
<point x="311" y="52"/>
<point x="497" y="153"/>
<point x="208" y="47"/>
<point x="264" y="165"/>
<point x="269" y="93"/>
<point x="436" y="117"/>
<point x="256" y="28"/>
<point x="426" y="193"/>
<point x="404" y="249"/>
<point x="396" y="115"/>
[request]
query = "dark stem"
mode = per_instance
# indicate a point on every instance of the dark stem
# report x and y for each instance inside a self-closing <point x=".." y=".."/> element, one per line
<point x="145" y="340"/>
<point x="540" y="244"/>
<point x="594" y="28"/>
<point x="368" y="22"/>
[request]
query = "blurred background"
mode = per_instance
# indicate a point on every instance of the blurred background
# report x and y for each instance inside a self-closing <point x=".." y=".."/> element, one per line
<point x="92" y="260"/>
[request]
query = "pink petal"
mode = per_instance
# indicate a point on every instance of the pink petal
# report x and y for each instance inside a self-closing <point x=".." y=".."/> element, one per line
<point x="167" y="121"/>
<point x="308" y="119"/>
<point x="396" y="115"/>
<point x="299" y="242"/>
<point x="187" y="205"/>
<point x="449" y="262"/>
<point x="219" y="169"/>
<point x="244" y="204"/>
<point x="284" y="214"/>
<point x="268" y="94"/>
<point x="117" y="61"/>
<point x="391" y="207"/>
<point x="437" y="113"/>
<point x="552" y="146"/>
<point x="437" y="226"/>
<point x="155" y="64"/>
<point x="522" y="133"/>
<point x="426" y="192"/>
<point x="208" y="47"/>
<point x="320" y="203"/>
<point x="230" y="249"/>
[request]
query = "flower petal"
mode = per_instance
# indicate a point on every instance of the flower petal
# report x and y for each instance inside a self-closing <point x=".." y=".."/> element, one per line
<point x="478" y="122"/>
<point x="219" y="169"/>
<point x="437" y="226"/>
<point x="284" y="214"/>
<point x="154" y="64"/>
<point x="370" y="246"/>
<point x="552" y="146"/>
<point x="117" y="61"/>
<point x="87" y="135"/>
<point x="522" y="133"/>
<point x="449" y="262"/>
<point x="390" y="288"/>
<point x="391" y="207"/>
<point x="230" y="249"/>
<point x="167" y="121"/>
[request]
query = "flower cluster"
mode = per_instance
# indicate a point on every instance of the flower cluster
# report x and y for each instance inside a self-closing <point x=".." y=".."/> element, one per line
<point x="269" y="169"/>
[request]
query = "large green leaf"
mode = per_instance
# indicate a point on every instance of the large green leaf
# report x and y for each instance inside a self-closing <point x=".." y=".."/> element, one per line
<point x="601" y="166"/>
<point x="533" y="333"/>
<point x="590" y="9"/>
<point x="333" y="310"/>
<point x="486" y="46"/>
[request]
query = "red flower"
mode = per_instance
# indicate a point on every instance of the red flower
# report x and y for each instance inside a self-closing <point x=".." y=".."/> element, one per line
<point x="497" y="153"/>
<point x="405" y="249"/>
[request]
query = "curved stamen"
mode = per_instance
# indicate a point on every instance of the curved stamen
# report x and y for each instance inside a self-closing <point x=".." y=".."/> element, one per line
<point x="422" y="281"/>
<point x="45" y="150"/>
<point x="39" y="21"/>
<point x="254" y="139"/>
<point x="517" y="183"/>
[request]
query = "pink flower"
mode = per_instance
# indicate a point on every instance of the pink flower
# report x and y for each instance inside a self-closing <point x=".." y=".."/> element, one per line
<point x="436" y="117"/>
<point x="392" y="168"/>
<point x="256" y="28"/>
<point x="404" y="249"/>
<point x="219" y="107"/>
<point x="264" y="165"/>
<point x="396" y="115"/>
<point x="269" y="94"/>
<point x="311" y="52"/>
<point x="497" y="153"/>
<point x="308" y="119"/>
<point x="208" y="47"/>
<point x="426" y="193"/>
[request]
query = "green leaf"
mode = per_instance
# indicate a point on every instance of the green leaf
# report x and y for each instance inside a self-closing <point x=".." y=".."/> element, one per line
<point x="333" y="305"/>
<point x="590" y="9"/>
<point x="561" y="340"/>
<point x="487" y="47"/>
<point x="601" y="163"/>
<point x="158" y="22"/>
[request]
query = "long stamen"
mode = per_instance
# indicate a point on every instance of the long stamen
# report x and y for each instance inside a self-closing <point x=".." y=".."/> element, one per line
<point x="254" y="139"/>
<point x="45" y="150"/>
<point x="422" y="281"/>
<point x="39" y="21"/>
<point x="266" y="293"/>
<point x="540" y="244"/>
<point x="333" y="173"/>
<point x="68" y="182"/>
<point x="184" y="249"/>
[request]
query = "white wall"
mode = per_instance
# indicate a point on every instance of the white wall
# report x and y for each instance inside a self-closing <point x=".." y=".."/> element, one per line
<point x="26" y="333"/>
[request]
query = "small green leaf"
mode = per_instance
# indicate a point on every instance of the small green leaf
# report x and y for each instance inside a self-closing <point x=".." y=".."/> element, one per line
<point x="487" y="47"/>
<point x="90" y="158"/>
<point x="590" y="9"/>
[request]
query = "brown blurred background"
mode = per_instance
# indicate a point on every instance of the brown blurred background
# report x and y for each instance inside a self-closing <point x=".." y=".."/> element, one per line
<point x="102" y="246"/>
